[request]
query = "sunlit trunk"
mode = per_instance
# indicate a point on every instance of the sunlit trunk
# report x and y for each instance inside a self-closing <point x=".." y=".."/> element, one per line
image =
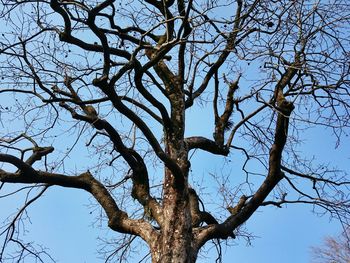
<point x="175" y="243"/>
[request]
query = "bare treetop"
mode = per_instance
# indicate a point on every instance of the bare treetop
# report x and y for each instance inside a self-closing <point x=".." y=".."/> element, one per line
<point x="95" y="95"/>
<point x="333" y="249"/>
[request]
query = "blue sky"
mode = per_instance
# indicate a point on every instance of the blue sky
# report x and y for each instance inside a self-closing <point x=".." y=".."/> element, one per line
<point x="62" y="220"/>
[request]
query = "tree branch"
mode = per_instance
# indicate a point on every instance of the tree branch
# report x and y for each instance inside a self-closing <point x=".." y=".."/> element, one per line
<point x="273" y="177"/>
<point x="198" y="142"/>
<point x="118" y="219"/>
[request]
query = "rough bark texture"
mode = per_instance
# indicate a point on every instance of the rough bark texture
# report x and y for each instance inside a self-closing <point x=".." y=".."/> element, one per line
<point x="120" y="80"/>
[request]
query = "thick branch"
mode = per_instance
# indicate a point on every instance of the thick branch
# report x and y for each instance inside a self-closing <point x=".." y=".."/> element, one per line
<point x="205" y="144"/>
<point x="118" y="219"/>
<point x="274" y="176"/>
<point x="171" y="164"/>
<point x="135" y="161"/>
<point x="67" y="36"/>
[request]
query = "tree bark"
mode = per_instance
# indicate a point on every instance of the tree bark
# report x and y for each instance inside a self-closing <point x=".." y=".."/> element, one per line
<point x="176" y="235"/>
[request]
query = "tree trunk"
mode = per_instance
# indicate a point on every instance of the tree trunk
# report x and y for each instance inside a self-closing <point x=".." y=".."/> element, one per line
<point x="176" y="238"/>
<point x="175" y="242"/>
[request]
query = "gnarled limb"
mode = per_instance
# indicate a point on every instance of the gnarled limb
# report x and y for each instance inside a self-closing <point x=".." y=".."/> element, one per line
<point x="118" y="219"/>
<point x="274" y="176"/>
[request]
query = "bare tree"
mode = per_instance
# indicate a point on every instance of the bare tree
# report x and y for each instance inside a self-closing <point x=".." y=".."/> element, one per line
<point x="334" y="249"/>
<point x="95" y="95"/>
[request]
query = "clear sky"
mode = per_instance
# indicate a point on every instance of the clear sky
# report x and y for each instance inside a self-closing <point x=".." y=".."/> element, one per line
<point x="63" y="221"/>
